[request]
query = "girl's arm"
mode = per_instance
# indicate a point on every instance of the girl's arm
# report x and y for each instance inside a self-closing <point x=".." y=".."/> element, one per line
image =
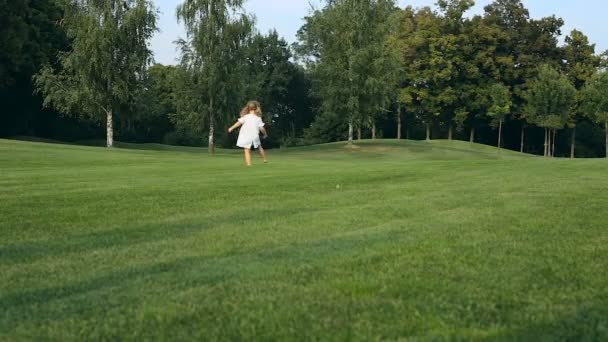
<point x="235" y="126"/>
<point x="263" y="130"/>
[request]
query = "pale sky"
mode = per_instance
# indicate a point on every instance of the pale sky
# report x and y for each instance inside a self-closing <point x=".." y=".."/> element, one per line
<point x="286" y="17"/>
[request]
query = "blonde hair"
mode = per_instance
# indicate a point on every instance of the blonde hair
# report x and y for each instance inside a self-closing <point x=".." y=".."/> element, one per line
<point x="252" y="106"/>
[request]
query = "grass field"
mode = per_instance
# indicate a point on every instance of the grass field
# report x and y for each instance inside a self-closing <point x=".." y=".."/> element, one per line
<point x="383" y="241"/>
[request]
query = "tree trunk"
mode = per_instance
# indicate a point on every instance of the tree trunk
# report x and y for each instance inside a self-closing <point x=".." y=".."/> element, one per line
<point x="211" y="136"/>
<point x="428" y="132"/>
<point x="606" y="127"/>
<point x="545" y="154"/>
<point x="553" y="144"/>
<point x="472" y="136"/>
<point x="450" y="133"/>
<point x="350" y="133"/>
<point x="211" y="127"/>
<point x="573" y="143"/>
<point x="398" y="122"/>
<point x="109" y="129"/>
<point x="374" y="131"/>
<point x="523" y="129"/>
<point x="500" y="134"/>
<point x="359" y="133"/>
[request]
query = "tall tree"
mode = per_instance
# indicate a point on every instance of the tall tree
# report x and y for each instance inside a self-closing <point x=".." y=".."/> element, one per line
<point x="343" y="44"/>
<point x="580" y="64"/>
<point x="595" y="95"/>
<point x="549" y="100"/>
<point x="423" y="72"/>
<point x="458" y="52"/>
<point x="268" y="72"/>
<point x="280" y="85"/>
<point x="107" y="62"/>
<point x="500" y="107"/>
<point x="522" y="44"/>
<point x="218" y="32"/>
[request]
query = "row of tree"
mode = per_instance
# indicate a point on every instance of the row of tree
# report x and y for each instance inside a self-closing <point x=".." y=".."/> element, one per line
<point x="444" y="69"/>
<point x="98" y="72"/>
<point x="360" y="69"/>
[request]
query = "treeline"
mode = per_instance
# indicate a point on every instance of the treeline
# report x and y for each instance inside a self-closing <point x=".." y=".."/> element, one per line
<point x="499" y="78"/>
<point x="360" y="69"/>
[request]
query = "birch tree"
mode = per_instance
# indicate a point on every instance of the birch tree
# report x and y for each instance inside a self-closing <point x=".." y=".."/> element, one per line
<point x="218" y="31"/>
<point x="106" y="64"/>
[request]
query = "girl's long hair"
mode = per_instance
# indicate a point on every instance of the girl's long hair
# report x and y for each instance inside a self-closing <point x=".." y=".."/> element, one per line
<point x="252" y="106"/>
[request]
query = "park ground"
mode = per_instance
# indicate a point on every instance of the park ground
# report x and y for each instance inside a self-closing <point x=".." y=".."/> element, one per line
<point x="380" y="241"/>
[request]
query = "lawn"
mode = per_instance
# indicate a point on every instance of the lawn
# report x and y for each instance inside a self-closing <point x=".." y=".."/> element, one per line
<point x="382" y="241"/>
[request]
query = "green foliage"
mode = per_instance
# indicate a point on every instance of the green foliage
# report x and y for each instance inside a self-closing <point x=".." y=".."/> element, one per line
<point x="500" y="102"/>
<point x="595" y="96"/>
<point x="520" y="45"/>
<point x="280" y="85"/>
<point x="29" y="37"/>
<point x="580" y="64"/>
<point x="550" y="98"/>
<point x="212" y="84"/>
<point x="105" y="67"/>
<point x="346" y="46"/>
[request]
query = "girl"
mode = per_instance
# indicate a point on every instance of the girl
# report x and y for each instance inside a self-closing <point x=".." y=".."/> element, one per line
<point x="252" y="125"/>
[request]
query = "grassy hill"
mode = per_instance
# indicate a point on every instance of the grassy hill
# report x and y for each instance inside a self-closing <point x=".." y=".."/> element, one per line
<point x="384" y="240"/>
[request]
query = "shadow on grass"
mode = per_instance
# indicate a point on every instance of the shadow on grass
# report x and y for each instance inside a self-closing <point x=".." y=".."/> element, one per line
<point x="271" y="262"/>
<point x="587" y="323"/>
<point x="126" y="237"/>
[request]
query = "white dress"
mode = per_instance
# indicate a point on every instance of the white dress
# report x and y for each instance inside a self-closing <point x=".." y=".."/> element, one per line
<point x="249" y="135"/>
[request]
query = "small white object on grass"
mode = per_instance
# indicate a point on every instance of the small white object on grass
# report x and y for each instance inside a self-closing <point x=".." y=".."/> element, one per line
<point x="338" y="186"/>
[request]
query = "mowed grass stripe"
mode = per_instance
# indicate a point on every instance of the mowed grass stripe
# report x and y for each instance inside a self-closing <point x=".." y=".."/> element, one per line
<point x="388" y="240"/>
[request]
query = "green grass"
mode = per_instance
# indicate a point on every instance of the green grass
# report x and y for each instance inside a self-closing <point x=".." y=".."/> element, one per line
<point x="384" y="241"/>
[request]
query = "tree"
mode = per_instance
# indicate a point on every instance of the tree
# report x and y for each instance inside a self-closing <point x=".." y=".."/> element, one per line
<point x="280" y="85"/>
<point x="155" y="104"/>
<point x="595" y="95"/>
<point x="465" y="74"/>
<point x="419" y="91"/>
<point x="521" y="45"/>
<point x="344" y="47"/>
<point x="500" y="107"/>
<point x="107" y="62"/>
<point x="580" y="64"/>
<point x="549" y="100"/>
<point x="219" y="31"/>
<point x="30" y="36"/>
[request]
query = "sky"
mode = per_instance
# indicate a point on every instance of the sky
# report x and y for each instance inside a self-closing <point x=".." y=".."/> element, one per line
<point x="286" y="16"/>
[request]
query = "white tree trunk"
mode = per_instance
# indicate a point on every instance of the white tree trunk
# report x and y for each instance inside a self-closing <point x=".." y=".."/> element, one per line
<point x="545" y="154"/>
<point x="450" y="133"/>
<point x="553" y="144"/>
<point x="211" y="127"/>
<point x="500" y="134"/>
<point x="350" y="133"/>
<point x="523" y="132"/>
<point x="428" y="132"/>
<point x="472" y="135"/>
<point x="399" y="122"/>
<point x="359" y="133"/>
<point x="573" y="143"/>
<point x="211" y="136"/>
<point x="109" y="129"/>
<point x="374" y="131"/>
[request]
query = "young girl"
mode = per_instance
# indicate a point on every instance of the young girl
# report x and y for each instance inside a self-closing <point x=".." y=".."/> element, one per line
<point x="252" y="125"/>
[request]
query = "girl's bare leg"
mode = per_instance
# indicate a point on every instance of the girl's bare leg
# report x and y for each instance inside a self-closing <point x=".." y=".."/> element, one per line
<point x="262" y="153"/>
<point x="248" y="157"/>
